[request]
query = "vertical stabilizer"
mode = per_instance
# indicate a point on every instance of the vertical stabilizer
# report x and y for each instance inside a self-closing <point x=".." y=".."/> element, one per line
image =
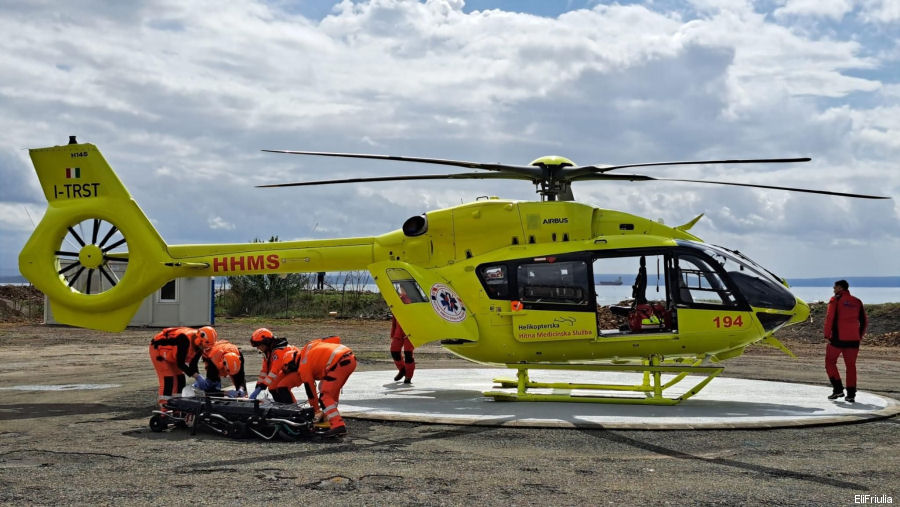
<point x="95" y="254"/>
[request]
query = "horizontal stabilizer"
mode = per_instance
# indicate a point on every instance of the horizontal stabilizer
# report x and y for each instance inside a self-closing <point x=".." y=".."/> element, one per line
<point x="686" y="227"/>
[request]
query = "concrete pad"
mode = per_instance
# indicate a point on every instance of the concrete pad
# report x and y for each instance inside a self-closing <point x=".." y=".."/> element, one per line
<point x="454" y="396"/>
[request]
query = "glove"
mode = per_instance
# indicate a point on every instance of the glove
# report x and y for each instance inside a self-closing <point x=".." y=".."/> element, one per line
<point x="214" y="385"/>
<point x="236" y="393"/>
<point x="256" y="392"/>
<point x="201" y="383"/>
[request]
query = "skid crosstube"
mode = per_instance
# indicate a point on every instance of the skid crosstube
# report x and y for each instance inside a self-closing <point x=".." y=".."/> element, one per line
<point x="652" y="386"/>
<point x="237" y="418"/>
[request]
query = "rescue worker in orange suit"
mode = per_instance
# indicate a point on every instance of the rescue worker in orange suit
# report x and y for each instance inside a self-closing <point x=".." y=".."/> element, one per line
<point x="222" y="359"/>
<point x="400" y="342"/>
<point x="174" y="354"/>
<point x="327" y="361"/>
<point x="276" y="353"/>
<point x="845" y="325"/>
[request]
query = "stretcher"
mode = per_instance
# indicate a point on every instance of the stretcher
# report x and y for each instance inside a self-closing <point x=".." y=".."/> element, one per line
<point x="236" y="418"/>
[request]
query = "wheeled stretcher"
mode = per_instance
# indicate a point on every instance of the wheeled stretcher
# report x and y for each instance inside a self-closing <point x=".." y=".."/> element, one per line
<point x="236" y="418"/>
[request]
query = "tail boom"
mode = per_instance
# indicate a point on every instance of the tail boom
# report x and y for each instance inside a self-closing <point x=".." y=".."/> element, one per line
<point x="96" y="256"/>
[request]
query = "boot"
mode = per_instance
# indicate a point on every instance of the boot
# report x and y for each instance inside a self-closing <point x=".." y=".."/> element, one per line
<point x="409" y="366"/>
<point x="334" y="432"/>
<point x="838" y="389"/>
<point x="398" y="362"/>
<point x="851" y="394"/>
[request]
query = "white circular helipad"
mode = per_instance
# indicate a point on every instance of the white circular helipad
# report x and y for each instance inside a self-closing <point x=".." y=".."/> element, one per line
<point x="454" y="396"/>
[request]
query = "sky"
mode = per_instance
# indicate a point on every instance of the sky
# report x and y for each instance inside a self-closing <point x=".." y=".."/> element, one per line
<point x="181" y="97"/>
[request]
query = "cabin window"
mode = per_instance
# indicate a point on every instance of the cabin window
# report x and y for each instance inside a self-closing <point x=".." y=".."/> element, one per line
<point x="495" y="281"/>
<point x="404" y="283"/>
<point x="564" y="282"/>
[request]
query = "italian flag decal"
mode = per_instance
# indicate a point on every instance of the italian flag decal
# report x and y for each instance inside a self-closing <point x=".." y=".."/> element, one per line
<point x="73" y="172"/>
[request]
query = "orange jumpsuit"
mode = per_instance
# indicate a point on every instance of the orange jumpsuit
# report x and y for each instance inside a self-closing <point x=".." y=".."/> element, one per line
<point x="214" y="358"/>
<point x="272" y="376"/>
<point x="173" y="355"/>
<point x="331" y="363"/>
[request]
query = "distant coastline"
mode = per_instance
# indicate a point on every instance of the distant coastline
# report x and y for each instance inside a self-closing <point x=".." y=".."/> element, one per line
<point x="854" y="281"/>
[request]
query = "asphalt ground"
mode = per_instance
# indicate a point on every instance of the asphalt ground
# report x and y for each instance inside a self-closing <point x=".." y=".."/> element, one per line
<point x="93" y="446"/>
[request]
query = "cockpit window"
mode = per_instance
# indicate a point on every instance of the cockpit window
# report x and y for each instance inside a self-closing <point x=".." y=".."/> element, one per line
<point x="758" y="286"/>
<point x="700" y="283"/>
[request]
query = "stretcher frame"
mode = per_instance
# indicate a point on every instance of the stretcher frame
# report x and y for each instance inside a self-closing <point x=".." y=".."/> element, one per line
<point x="236" y="418"/>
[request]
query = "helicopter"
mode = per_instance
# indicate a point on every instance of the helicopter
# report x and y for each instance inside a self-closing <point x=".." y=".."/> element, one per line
<point x="495" y="281"/>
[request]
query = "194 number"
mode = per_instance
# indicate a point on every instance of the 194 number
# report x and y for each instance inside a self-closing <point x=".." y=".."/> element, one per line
<point x="727" y="321"/>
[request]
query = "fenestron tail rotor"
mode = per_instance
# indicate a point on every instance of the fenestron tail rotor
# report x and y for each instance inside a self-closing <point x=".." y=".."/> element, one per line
<point x="92" y="257"/>
<point x="94" y="254"/>
<point x="552" y="175"/>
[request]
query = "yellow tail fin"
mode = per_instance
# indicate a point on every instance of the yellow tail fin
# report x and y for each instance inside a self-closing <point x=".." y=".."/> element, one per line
<point x="92" y="238"/>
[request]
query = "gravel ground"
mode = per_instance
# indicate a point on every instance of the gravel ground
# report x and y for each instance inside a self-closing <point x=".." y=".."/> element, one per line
<point x="94" y="446"/>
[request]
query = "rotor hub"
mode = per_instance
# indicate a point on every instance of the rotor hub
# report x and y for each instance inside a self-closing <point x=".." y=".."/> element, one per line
<point x="91" y="256"/>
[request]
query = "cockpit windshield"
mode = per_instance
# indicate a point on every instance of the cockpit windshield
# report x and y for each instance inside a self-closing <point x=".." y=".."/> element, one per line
<point x="759" y="286"/>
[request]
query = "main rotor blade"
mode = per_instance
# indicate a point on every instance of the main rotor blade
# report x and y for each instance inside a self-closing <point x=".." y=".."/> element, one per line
<point x="593" y="169"/>
<point x="526" y="169"/>
<point x="638" y="177"/>
<point x="459" y="176"/>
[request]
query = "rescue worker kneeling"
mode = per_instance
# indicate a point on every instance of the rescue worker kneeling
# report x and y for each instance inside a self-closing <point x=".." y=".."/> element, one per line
<point x="327" y="361"/>
<point x="174" y="354"/>
<point x="222" y="359"/>
<point x="276" y="353"/>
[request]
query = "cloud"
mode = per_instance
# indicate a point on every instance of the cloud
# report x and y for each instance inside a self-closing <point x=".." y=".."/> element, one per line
<point x="834" y="9"/>
<point x="220" y="223"/>
<point x="180" y="98"/>
<point x="880" y="11"/>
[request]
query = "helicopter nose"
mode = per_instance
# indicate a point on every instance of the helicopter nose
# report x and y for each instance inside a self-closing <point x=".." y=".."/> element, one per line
<point x="801" y="312"/>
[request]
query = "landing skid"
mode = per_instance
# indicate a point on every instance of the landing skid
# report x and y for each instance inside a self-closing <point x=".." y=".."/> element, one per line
<point x="652" y="387"/>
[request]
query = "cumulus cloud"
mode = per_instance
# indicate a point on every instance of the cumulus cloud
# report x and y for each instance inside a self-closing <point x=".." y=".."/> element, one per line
<point x="834" y="9"/>
<point x="220" y="223"/>
<point x="880" y="11"/>
<point x="181" y="97"/>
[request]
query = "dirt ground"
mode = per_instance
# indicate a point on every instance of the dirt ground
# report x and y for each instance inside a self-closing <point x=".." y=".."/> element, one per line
<point x="93" y="446"/>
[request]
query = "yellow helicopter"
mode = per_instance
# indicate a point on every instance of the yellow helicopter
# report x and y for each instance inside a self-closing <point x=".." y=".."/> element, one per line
<point x="495" y="281"/>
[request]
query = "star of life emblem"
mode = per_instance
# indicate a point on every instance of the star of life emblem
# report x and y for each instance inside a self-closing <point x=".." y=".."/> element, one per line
<point x="447" y="303"/>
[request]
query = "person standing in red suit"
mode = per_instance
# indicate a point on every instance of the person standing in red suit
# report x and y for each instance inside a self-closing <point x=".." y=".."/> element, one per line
<point x="845" y="325"/>
<point x="406" y="365"/>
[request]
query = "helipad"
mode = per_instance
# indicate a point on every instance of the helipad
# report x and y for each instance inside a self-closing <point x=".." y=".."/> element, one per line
<point x="454" y="396"/>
